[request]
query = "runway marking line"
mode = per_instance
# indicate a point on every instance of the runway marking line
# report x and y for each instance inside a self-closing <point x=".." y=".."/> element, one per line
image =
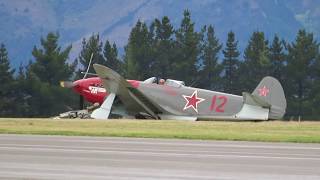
<point x="190" y="144"/>
<point x="161" y="154"/>
<point x="145" y="150"/>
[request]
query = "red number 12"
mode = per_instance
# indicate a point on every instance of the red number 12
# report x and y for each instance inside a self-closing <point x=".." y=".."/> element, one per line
<point x="220" y="107"/>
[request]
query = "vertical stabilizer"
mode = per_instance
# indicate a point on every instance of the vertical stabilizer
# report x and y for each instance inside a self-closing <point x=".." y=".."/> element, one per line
<point x="270" y="91"/>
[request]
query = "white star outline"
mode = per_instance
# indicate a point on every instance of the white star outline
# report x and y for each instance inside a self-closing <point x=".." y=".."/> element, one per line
<point x="190" y="105"/>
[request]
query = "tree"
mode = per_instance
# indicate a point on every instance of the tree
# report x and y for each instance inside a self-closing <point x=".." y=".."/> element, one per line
<point x="256" y="63"/>
<point x="187" y="50"/>
<point x="139" y="52"/>
<point x="50" y="61"/>
<point x="111" y="56"/>
<point x="162" y="47"/>
<point x="277" y="59"/>
<point x="302" y="56"/>
<point x="91" y="47"/>
<point x="42" y="78"/>
<point x="22" y="106"/>
<point x="231" y="65"/>
<point x="212" y="69"/>
<point x="6" y="81"/>
<point x="315" y="91"/>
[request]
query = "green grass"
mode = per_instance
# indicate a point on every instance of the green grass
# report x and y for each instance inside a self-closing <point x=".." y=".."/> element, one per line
<point x="273" y="131"/>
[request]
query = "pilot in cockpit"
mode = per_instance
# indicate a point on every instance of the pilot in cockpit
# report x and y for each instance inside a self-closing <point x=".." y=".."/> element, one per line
<point x="154" y="80"/>
<point x="161" y="82"/>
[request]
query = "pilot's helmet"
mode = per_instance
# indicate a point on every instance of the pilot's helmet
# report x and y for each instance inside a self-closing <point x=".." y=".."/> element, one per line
<point x="161" y="81"/>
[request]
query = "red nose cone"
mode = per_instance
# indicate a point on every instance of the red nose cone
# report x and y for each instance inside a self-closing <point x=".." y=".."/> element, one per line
<point x="78" y="86"/>
<point x="91" y="89"/>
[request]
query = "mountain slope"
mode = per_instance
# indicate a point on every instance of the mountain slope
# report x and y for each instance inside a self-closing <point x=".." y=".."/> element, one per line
<point x="23" y="22"/>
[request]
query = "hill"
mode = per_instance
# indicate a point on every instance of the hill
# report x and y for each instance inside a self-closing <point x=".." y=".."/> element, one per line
<point x="23" y="22"/>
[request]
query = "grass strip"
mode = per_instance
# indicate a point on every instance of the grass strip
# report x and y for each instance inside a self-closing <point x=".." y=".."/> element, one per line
<point x="267" y="131"/>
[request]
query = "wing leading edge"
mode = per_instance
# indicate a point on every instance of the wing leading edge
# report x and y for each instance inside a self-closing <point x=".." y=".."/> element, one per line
<point x="133" y="99"/>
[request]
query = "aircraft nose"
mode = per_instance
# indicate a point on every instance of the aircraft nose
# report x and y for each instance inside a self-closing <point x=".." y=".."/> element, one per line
<point x="77" y="86"/>
<point x="78" y="83"/>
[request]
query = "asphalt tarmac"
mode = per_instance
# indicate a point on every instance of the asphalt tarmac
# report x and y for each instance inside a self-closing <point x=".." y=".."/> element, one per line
<point x="60" y="157"/>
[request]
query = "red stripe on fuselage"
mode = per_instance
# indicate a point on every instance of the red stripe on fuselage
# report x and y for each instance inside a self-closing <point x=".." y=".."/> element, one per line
<point x="134" y="83"/>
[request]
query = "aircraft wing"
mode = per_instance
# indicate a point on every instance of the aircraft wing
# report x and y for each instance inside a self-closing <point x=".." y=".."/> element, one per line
<point x="133" y="99"/>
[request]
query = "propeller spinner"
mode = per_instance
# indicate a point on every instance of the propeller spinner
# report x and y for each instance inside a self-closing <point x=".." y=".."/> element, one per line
<point x="67" y="84"/>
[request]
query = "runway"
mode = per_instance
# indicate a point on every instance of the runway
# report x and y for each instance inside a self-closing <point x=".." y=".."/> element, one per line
<point x="60" y="157"/>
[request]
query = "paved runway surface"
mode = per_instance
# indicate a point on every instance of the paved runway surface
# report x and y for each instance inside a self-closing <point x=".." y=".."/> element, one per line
<point x="59" y="157"/>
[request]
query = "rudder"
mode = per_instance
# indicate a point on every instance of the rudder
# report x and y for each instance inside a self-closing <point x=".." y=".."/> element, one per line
<point x="270" y="91"/>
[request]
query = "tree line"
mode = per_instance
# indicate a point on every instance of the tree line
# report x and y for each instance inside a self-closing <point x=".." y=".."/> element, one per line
<point x="158" y="49"/>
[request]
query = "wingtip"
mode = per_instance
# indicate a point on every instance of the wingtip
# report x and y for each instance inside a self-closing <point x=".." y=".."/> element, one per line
<point x="98" y="68"/>
<point x="96" y="65"/>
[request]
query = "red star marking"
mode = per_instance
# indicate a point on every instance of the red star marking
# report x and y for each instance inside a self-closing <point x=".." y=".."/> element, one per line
<point x="192" y="101"/>
<point x="264" y="91"/>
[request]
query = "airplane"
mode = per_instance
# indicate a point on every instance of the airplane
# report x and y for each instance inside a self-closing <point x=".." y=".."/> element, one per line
<point x="175" y="100"/>
<point x="89" y="89"/>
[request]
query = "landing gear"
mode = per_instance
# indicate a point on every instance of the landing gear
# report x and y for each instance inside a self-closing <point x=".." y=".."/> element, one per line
<point x="143" y="116"/>
<point x="82" y="114"/>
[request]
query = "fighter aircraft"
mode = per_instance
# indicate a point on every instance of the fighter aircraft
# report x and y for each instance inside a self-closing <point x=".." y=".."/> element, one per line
<point x="175" y="100"/>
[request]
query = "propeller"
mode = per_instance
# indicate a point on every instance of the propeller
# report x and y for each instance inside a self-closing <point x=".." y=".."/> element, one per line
<point x="87" y="71"/>
<point x="81" y="99"/>
<point x="67" y="84"/>
<point x="70" y="84"/>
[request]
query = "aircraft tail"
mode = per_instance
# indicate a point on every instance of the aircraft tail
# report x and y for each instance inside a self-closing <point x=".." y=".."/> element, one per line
<point x="269" y="93"/>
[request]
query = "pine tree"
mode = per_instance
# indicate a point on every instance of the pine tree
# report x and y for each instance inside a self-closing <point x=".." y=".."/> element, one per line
<point x="302" y="56"/>
<point x="162" y="47"/>
<point x="212" y="69"/>
<point x="50" y="61"/>
<point x="91" y="47"/>
<point x="138" y="53"/>
<point x="315" y="91"/>
<point x="50" y="66"/>
<point x="111" y="56"/>
<point x="256" y="63"/>
<point x="187" y="50"/>
<point x="6" y="81"/>
<point x="231" y="65"/>
<point x="277" y="59"/>
<point x="22" y="107"/>
<point x="6" y="73"/>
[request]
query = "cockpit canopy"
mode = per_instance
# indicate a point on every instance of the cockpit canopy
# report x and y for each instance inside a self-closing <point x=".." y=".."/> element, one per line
<point x="150" y="80"/>
<point x="174" y="83"/>
<point x="168" y="82"/>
